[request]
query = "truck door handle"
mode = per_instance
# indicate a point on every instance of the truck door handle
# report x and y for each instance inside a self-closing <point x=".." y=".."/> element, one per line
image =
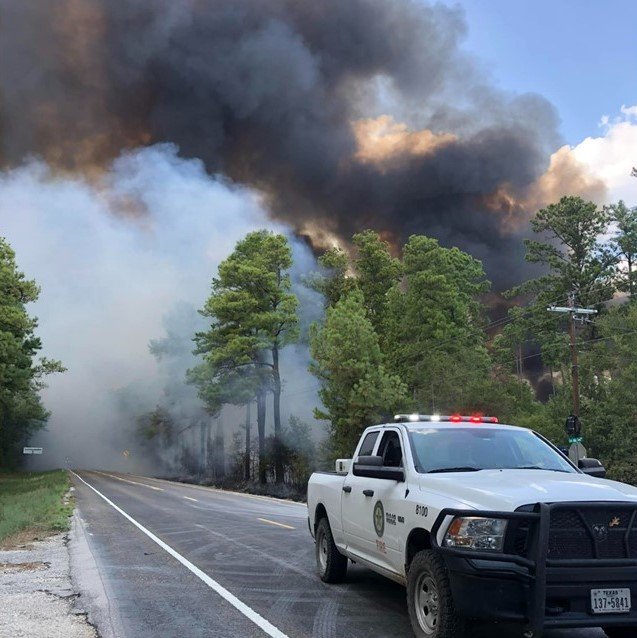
<point x="368" y="492"/>
<point x="347" y="488"/>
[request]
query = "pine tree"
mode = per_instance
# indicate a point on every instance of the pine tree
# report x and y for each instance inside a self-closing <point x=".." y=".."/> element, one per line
<point x="21" y="375"/>
<point x="357" y="388"/>
<point x="253" y="317"/>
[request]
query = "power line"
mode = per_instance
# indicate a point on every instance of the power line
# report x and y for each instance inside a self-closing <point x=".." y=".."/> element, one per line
<point x="463" y="375"/>
<point x="494" y="324"/>
<point x="490" y="325"/>
<point x="439" y="345"/>
<point x="610" y="338"/>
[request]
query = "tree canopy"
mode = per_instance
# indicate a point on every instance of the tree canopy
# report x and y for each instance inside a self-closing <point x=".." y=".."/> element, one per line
<point x="253" y="316"/>
<point x="405" y="334"/>
<point x="21" y="373"/>
<point x="357" y="389"/>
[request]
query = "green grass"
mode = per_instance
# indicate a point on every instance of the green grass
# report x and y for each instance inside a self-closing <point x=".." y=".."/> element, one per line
<point x="33" y="501"/>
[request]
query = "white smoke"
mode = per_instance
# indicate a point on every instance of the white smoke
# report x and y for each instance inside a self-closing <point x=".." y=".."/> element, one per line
<point x="121" y="262"/>
<point x="612" y="155"/>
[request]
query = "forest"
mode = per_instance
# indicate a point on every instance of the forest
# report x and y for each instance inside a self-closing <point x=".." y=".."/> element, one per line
<point x="409" y="327"/>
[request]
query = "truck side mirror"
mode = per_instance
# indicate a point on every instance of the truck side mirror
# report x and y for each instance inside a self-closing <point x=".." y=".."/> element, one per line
<point x="343" y="465"/>
<point x="592" y="467"/>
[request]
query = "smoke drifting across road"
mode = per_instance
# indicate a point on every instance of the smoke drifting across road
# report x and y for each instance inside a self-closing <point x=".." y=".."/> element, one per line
<point x="345" y="114"/>
<point x="123" y="263"/>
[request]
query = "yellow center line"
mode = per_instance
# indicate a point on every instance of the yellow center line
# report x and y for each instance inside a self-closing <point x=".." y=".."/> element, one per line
<point x="191" y="499"/>
<point x="227" y="493"/>
<point x="267" y="520"/>
<point x="119" y="478"/>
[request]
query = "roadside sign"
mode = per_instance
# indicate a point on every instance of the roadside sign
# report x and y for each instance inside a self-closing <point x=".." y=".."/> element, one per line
<point x="576" y="452"/>
<point x="32" y="450"/>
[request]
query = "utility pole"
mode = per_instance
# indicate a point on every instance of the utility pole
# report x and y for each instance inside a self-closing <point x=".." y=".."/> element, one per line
<point x="574" y="359"/>
<point x="574" y="313"/>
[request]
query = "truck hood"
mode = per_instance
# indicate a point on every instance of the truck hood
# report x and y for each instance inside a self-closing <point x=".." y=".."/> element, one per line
<point x="506" y="490"/>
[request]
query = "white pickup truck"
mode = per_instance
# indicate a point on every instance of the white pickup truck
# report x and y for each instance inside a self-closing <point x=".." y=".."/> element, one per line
<point x="481" y="521"/>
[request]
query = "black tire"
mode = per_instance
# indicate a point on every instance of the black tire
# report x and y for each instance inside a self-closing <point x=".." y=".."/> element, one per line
<point x="331" y="564"/>
<point x="620" y="632"/>
<point x="428" y="582"/>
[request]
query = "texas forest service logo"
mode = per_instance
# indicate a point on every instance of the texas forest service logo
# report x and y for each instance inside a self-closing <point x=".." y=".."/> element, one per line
<point x="379" y="518"/>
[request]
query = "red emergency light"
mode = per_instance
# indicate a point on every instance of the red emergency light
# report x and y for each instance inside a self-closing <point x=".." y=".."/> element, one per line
<point x="454" y="418"/>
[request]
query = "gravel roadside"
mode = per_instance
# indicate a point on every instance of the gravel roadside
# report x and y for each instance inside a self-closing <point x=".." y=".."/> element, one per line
<point x="38" y="597"/>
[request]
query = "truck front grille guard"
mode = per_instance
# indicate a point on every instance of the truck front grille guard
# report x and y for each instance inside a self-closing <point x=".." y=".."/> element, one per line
<point x="537" y="562"/>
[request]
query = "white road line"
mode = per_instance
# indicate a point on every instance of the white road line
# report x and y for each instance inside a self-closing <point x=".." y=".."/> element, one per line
<point x="240" y="606"/>
<point x="119" y="478"/>
<point x="191" y="499"/>
<point x="267" y="520"/>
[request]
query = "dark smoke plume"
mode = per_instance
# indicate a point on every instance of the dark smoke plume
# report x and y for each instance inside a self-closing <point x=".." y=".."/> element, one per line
<point x="346" y="114"/>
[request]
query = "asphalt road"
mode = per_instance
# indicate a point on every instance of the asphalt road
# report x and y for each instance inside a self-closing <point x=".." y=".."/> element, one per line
<point x="255" y="555"/>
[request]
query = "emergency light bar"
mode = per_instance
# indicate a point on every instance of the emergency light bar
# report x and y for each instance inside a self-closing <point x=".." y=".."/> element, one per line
<point x="453" y="418"/>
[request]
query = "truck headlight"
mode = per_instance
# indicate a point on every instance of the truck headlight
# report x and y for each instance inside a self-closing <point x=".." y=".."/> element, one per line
<point x="476" y="533"/>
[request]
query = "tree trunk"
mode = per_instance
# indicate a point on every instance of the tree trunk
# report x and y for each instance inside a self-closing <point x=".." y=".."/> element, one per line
<point x="552" y="381"/>
<point x="630" y="277"/>
<point x="276" y="390"/>
<point x="261" y="428"/>
<point x="247" y="459"/>
<point x="202" y="449"/>
<point x="219" y="451"/>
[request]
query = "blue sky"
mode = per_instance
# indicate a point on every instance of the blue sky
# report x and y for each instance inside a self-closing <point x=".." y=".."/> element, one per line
<point x="580" y="54"/>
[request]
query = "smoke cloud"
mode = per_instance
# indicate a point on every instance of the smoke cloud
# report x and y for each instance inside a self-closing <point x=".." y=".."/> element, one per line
<point x="140" y="140"/>
<point x="114" y="280"/>
<point x="345" y="115"/>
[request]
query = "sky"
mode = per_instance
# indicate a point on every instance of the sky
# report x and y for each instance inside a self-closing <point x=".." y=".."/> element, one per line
<point x="580" y="54"/>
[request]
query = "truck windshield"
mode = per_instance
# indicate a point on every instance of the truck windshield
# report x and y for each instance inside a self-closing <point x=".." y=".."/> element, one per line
<point x="457" y="449"/>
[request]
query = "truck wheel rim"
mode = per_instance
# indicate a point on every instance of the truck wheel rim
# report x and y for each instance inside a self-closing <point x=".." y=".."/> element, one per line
<point x="427" y="604"/>
<point x="322" y="552"/>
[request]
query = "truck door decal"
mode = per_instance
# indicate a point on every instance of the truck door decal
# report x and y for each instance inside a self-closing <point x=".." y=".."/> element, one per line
<point x="379" y="519"/>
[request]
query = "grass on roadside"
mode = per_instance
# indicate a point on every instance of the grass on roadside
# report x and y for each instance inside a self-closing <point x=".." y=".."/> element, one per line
<point x="34" y="501"/>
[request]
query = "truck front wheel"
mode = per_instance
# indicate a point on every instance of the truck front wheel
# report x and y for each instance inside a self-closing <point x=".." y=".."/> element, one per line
<point x="429" y="599"/>
<point x="332" y="565"/>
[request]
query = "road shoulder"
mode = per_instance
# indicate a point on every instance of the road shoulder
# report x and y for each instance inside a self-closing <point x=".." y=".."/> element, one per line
<point x="87" y="578"/>
<point x="38" y="597"/>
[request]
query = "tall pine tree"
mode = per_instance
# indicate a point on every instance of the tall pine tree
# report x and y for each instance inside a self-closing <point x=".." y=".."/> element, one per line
<point x="21" y="374"/>
<point x="253" y="313"/>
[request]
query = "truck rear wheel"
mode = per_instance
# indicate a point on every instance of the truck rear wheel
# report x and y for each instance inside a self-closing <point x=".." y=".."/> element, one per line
<point x="429" y="599"/>
<point x="332" y="565"/>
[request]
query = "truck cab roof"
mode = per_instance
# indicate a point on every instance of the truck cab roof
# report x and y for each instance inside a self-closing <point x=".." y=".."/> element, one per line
<point x="445" y="422"/>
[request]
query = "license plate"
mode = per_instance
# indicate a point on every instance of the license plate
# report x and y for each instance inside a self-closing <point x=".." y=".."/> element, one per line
<point x="610" y="601"/>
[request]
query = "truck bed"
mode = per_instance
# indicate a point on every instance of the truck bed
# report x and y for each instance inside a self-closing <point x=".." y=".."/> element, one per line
<point x="326" y="488"/>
